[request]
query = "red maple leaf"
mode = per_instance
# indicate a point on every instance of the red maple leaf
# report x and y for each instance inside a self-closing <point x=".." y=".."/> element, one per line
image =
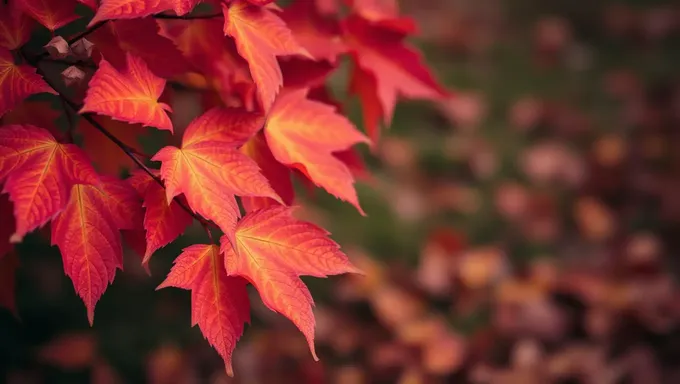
<point x="303" y="134"/>
<point x="53" y="14"/>
<point x="208" y="168"/>
<point x="163" y="221"/>
<point x="386" y="67"/>
<point x="15" y="26"/>
<point x="219" y="303"/>
<point x="271" y="249"/>
<point x="38" y="173"/>
<point x="17" y="82"/>
<point x="87" y="233"/>
<point x="260" y="37"/>
<point x="130" y="96"/>
<point x="141" y="38"/>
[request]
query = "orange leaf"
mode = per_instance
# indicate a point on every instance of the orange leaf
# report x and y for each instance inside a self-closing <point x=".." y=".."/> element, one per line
<point x="260" y="37"/>
<point x="53" y="14"/>
<point x="132" y="9"/>
<point x="140" y="38"/>
<point x="303" y="134"/>
<point x="219" y="303"/>
<point x="208" y="168"/>
<point x="130" y="96"/>
<point x="107" y="157"/>
<point x="272" y="249"/>
<point x="163" y="222"/>
<point x="15" y="27"/>
<point x="17" y="82"/>
<point x="38" y="172"/>
<point x="8" y="266"/>
<point x="88" y="237"/>
<point x="396" y="68"/>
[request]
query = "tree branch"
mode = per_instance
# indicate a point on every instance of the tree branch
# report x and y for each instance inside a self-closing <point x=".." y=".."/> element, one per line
<point x="129" y="151"/>
<point x="75" y="38"/>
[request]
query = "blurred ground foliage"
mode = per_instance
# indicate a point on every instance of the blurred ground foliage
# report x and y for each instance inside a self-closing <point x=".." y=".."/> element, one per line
<point x="526" y="231"/>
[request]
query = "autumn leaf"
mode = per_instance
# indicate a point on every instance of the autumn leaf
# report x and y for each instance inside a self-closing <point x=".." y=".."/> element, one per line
<point x="260" y="37"/>
<point x="208" y="168"/>
<point x="163" y="222"/>
<point x="141" y="38"/>
<point x="277" y="174"/>
<point x="130" y="96"/>
<point x="272" y="249"/>
<point x="219" y="303"/>
<point x="106" y="156"/>
<point x="38" y="173"/>
<point x="303" y="134"/>
<point x="53" y="14"/>
<point x="17" y="82"/>
<point x="15" y="26"/>
<point x="88" y="237"/>
<point x="132" y="9"/>
<point x="383" y="58"/>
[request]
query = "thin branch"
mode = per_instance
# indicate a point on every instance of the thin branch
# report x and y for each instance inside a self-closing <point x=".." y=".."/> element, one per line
<point x="187" y="17"/>
<point x="129" y="151"/>
<point x="76" y="37"/>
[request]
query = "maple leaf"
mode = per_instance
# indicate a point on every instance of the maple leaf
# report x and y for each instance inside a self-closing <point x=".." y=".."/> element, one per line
<point x="386" y="68"/>
<point x="277" y="174"/>
<point x="88" y="238"/>
<point x="107" y="157"/>
<point x="38" y="172"/>
<point x="15" y="27"/>
<point x="132" y="9"/>
<point x="271" y="249"/>
<point x="130" y="96"/>
<point x="139" y="37"/>
<point x="17" y="82"/>
<point x="163" y="222"/>
<point x="53" y="14"/>
<point x="260" y="37"/>
<point x="219" y="303"/>
<point x="303" y="134"/>
<point x="8" y="266"/>
<point x="208" y="168"/>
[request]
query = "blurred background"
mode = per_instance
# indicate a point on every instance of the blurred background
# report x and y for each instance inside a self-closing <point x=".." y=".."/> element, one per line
<point x="525" y="231"/>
